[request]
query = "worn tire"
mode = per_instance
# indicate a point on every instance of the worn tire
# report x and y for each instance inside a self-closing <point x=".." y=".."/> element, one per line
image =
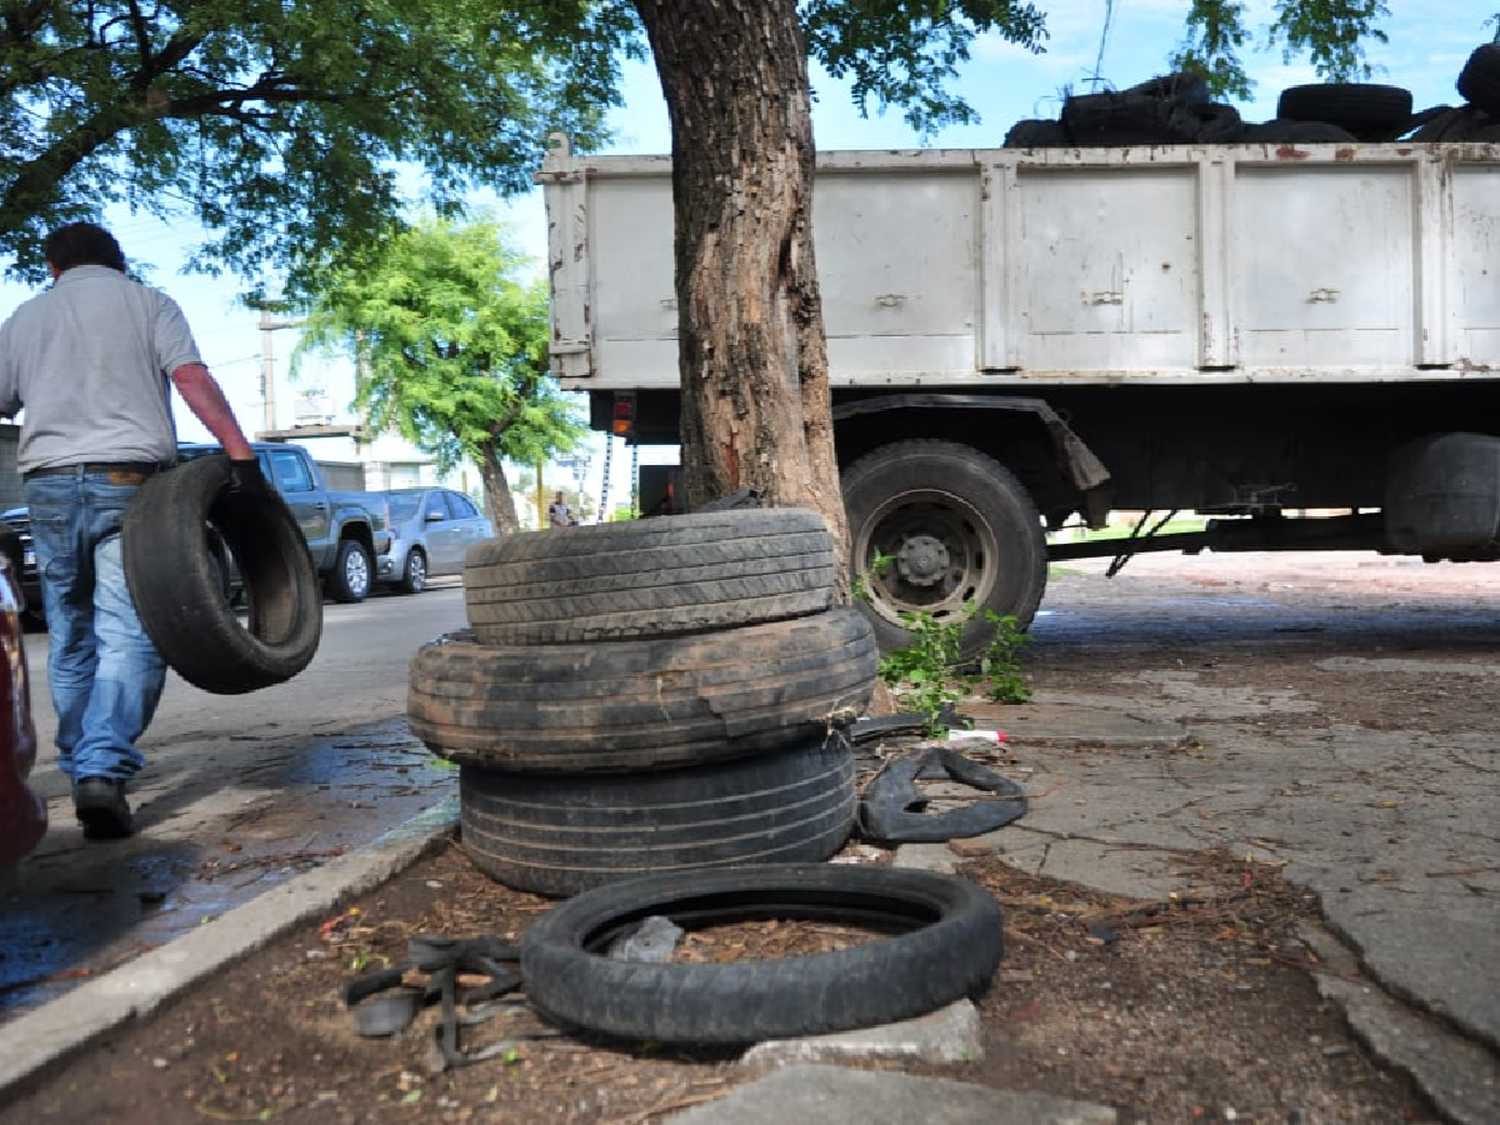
<point x="561" y="835"/>
<point x="662" y="577"/>
<point x="638" y="705"/>
<point x="1296" y="133"/>
<point x="1184" y="87"/>
<point x="1034" y="133"/>
<point x="1369" y="110"/>
<point x="1464" y="123"/>
<point x="946" y="945"/>
<point x="353" y="573"/>
<point x="1479" y="81"/>
<point x="1124" y="119"/>
<point x="981" y="525"/>
<point x="177" y="583"/>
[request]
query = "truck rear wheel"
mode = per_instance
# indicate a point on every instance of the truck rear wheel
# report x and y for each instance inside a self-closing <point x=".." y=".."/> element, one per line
<point x="956" y="526"/>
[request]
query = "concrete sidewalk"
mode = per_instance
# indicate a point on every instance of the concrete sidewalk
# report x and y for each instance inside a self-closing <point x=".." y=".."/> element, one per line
<point x="1411" y="955"/>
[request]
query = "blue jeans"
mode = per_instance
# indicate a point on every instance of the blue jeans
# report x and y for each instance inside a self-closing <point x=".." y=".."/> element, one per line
<point x="105" y="674"/>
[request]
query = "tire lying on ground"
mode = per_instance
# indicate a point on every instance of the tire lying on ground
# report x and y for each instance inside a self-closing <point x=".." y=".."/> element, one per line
<point x="176" y="576"/>
<point x="650" y="578"/>
<point x="561" y="835"/>
<point x="946" y="944"/>
<point x="638" y="705"/>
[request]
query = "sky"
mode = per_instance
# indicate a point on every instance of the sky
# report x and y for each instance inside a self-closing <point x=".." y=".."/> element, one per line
<point x="1429" y="40"/>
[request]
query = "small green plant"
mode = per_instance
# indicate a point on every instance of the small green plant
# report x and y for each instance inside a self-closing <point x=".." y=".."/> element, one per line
<point x="930" y="674"/>
<point x="923" y="674"/>
<point x="1000" y="662"/>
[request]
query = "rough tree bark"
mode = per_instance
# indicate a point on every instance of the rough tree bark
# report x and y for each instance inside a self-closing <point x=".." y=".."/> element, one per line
<point x="501" y="502"/>
<point x="756" y="409"/>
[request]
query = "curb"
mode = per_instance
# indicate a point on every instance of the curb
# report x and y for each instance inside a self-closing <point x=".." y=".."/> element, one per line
<point x="72" y="1022"/>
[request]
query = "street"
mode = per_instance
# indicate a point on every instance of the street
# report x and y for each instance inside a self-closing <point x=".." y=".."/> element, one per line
<point x="241" y="793"/>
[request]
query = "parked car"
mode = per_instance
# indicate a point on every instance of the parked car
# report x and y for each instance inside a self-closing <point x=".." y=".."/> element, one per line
<point x="344" y="530"/>
<point x="432" y="530"/>
<point x="18" y="520"/>
<point x="23" y="816"/>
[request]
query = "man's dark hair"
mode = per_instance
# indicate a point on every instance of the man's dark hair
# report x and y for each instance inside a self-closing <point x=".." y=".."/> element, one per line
<point x="83" y="244"/>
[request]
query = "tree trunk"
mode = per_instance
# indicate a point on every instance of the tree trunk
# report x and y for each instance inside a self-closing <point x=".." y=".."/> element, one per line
<point x="497" y="494"/>
<point x="756" y="410"/>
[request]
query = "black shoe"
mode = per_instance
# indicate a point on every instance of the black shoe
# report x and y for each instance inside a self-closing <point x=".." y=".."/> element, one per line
<point x="102" y="808"/>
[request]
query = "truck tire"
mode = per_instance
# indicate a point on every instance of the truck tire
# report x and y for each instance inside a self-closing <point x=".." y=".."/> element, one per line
<point x="1369" y="110"/>
<point x="662" y="577"/>
<point x="177" y="580"/>
<point x="562" y="835"/>
<point x="350" y="579"/>
<point x="1479" y="81"/>
<point x="1185" y="87"/>
<point x="946" y="942"/>
<point x="639" y="705"/>
<point x="1125" y="119"/>
<point x="958" y="527"/>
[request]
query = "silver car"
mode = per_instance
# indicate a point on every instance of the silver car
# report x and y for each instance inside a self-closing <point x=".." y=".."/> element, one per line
<point x="432" y="530"/>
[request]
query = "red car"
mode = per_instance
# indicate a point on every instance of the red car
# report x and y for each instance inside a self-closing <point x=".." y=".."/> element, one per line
<point x="23" y="816"/>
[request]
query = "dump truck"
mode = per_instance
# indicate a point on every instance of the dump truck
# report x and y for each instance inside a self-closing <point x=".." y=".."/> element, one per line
<point x="1297" y="342"/>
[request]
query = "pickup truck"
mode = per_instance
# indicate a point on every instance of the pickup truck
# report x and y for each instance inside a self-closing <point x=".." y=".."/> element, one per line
<point x="345" y="531"/>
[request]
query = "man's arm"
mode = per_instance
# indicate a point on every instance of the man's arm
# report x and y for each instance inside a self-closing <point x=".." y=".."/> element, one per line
<point x="205" y="398"/>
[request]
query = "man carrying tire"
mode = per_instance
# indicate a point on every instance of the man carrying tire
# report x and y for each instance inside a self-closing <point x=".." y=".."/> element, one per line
<point x="90" y="361"/>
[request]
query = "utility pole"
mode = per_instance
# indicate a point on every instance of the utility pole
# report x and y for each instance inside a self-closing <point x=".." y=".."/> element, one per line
<point x="268" y="360"/>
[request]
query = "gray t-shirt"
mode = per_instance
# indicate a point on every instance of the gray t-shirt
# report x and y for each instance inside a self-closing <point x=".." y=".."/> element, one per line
<point x="89" y="361"/>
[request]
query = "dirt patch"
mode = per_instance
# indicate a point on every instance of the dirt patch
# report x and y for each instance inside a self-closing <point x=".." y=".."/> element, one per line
<point x="1198" y="1008"/>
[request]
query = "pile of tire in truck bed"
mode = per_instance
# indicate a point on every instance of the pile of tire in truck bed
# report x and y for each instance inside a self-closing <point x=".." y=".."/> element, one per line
<point x="1177" y="109"/>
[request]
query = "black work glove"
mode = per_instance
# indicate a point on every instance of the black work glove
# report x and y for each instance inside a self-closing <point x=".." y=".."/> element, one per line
<point x="246" y="479"/>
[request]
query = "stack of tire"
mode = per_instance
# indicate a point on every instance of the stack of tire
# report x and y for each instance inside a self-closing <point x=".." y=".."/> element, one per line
<point x="1175" y="109"/>
<point x="654" y="696"/>
<point x="1478" y="119"/>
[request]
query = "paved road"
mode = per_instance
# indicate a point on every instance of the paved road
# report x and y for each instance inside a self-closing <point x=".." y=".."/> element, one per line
<point x="241" y="793"/>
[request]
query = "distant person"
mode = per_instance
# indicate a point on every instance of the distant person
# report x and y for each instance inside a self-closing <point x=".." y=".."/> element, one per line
<point x="558" y="514"/>
<point x="91" y="361"/>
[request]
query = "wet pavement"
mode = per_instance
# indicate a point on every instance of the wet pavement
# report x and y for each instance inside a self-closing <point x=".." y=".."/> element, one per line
<point x="241" y="795"/>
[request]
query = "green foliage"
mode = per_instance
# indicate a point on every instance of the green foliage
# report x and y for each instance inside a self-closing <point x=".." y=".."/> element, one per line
<point x="925" y="675"/>
<point x="1000" y="662"/>
<point x="905" y="52"/>
<point x="451" y="345"/>
<point x="929" y="674"/>
<point x="1215" y="34"/>
<point x="278" y="124"/>
<point x="1332" y="33"/>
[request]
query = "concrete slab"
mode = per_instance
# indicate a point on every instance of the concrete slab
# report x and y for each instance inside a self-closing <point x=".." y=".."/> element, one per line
<point x="1056" y="718"/>
<point x="833" y="1094"/>
<point x="948" y="1035"/>
<point x="1461" y="1077"/>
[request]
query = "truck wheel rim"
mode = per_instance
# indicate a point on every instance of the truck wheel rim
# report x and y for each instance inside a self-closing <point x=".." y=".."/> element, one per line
<point x="943" y="555"/>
